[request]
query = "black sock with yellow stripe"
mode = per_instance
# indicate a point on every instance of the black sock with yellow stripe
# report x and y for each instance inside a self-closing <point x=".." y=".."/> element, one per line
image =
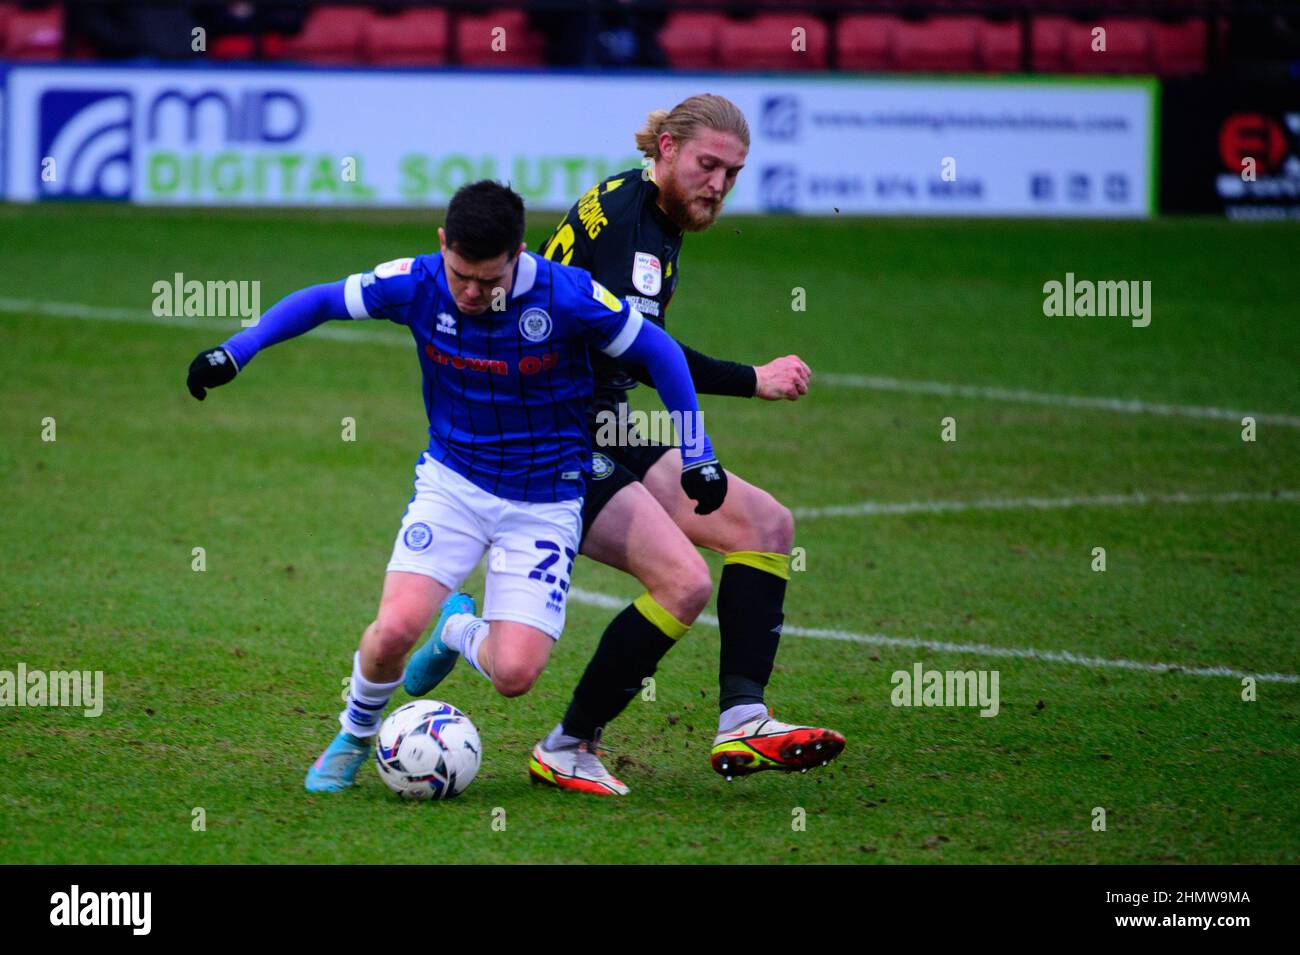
<point x="629" y="651"/>
<point x="751" y="597"/>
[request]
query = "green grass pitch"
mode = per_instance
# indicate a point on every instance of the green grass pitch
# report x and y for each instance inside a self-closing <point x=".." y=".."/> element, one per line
<point x="222" y="686"/>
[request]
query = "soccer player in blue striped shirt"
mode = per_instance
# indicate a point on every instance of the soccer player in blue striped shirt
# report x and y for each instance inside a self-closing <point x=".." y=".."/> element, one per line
<point x="502" y="337"/>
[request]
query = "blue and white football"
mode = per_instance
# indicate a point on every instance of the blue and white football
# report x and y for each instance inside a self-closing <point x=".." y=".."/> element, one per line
<point x="427" y="749"/>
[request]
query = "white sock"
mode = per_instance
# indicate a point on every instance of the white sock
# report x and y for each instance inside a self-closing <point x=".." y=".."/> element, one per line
<point x="733" y="716"/>
<point x="454" y="630"/>
<point x="558" y="739"/>
<point x="465" y="634"/>
<point x="366" y="702"/>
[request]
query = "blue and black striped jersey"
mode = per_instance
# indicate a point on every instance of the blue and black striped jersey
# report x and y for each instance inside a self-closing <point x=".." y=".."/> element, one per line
<point x="508" y="393"/>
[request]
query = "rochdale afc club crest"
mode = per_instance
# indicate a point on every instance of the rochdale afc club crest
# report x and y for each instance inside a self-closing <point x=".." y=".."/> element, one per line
<point x="535" y="324"/>
<point x="601" y="466"/>
<point x="417" y="537"/>
<point x="646" y="274"/>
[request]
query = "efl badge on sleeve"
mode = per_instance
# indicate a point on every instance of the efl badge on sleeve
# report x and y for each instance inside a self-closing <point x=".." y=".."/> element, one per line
<point x="386" y="270"/>
<point x="646" y="274"/>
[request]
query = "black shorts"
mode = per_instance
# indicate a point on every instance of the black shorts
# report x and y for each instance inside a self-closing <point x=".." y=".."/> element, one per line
<point x="613" y="469"/>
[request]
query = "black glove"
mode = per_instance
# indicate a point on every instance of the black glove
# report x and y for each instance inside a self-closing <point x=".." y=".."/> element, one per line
<point x="705" y="483"/>
<point x="208" y="370"/>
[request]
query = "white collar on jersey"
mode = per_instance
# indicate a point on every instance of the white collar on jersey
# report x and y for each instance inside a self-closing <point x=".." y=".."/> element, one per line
<point x="525" y="275"/>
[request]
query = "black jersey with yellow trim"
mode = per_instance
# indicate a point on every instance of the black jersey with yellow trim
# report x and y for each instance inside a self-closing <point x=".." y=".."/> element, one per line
<point x="618" y="233"/>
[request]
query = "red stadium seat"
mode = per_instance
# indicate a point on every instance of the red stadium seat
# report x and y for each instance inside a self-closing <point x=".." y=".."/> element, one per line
<point x="936" y="44"/>
<point x="238" y="47"/>
<point x="34" y="34"/>
<point x="330" y="35"/>
<point x="690" y="40"/>
<point x="999" y="45"/>
<point x="864" y="41"/>
<point x="1128" y="46"/>
<point x="1179" y="48"/>
<point x="242" y="47"/>
<point x="1047" y="42"/>
<point x="474" y="38"/>
<point x="411" y="38"/>
<point x="767" y="43"/>
<point x="7" y="11"/>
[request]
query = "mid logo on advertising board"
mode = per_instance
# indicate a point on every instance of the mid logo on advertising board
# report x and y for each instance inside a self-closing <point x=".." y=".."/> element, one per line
<point x="84" y="145"/>
<point x="182" y="143"/>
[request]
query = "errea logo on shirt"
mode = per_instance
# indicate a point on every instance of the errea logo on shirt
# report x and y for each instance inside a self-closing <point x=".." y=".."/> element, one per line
<point x="446" y="323"/>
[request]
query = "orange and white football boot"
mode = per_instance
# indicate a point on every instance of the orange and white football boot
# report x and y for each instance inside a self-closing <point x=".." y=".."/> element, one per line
<point x="765" y="743"/>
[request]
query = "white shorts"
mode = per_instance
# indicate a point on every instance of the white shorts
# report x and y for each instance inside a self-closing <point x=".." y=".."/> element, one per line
<point x="451" y="522"/>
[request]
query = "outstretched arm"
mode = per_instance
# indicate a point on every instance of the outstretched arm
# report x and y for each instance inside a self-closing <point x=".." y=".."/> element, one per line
<point x="785" y="377"/>
<point x="291" y="316"/>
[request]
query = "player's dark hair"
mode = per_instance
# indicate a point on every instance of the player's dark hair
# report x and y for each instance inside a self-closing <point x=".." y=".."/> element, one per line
<point x="484" y="219"/>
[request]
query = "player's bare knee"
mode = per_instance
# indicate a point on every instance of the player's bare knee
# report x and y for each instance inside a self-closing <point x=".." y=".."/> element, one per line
<point x="395" y="634"/>
<point x="763" y="524"/>
<point x="769" y="526"/>
<point x="685" y="592"/>
<point x="514" y="678"/>
<point x="778" y="527"/>
<point x="696" y="589"/>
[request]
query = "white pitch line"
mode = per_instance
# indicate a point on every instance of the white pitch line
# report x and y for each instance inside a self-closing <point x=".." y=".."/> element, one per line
<point x="1124" y="405"/>
<point x="609" y="602"/>
<point x="871" y="382"/>
<point x="225" y="327"/>
<point x="871" y="508"/>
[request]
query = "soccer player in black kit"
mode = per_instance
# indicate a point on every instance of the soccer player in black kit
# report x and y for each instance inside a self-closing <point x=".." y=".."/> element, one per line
<point x="627" y="231"/>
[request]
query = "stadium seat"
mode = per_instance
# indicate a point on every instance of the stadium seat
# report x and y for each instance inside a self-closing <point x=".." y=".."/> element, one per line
<point x="474" y="37"/>
<point x="242" y="47"/>
<point x="690" y="40"/>
<point x="331" y="35"/>
<point x="1178" y="47"/>
<point x="34" y="34"/>
<point x="936" y="44"/>
<point x="1128" y="46"/>
<point x="999" y="45"/>
<point x="1047" y="44"/>
<point x="864" y="41"/>
<point x="411" y="38"/>
<point x="7" y="11"/>
<point x="766" y="43"/>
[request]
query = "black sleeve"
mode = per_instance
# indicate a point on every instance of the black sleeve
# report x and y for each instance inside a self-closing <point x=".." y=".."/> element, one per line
<point x="712" y="376"/>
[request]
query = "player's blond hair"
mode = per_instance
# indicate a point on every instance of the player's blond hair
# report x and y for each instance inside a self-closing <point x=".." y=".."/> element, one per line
<point x="687" y="118"/>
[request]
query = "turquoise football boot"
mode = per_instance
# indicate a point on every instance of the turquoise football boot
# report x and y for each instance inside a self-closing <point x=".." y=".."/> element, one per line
<point x="336" y="769"/>
<point x="430" y="664"/>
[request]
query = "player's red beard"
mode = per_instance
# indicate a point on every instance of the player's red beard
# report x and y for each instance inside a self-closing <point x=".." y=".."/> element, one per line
<point x="691" y="213"/>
